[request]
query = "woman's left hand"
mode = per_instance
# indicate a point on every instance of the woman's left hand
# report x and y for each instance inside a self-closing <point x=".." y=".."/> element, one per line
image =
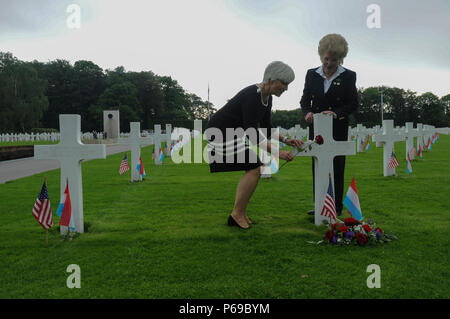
<point x="330" y="113"/>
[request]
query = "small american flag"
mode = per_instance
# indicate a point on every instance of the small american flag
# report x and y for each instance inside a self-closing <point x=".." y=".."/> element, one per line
<point x="393" y="163"/>
<point x="124" y="165"/>
<point x="42" y="209"/>
<point x="329" y="208"/>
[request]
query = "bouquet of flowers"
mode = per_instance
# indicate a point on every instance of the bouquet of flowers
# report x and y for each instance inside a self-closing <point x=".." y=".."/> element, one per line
<point x="352" y="231"/>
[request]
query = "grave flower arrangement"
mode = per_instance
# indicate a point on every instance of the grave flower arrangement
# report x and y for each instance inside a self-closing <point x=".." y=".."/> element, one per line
<point x="352" y="231"/>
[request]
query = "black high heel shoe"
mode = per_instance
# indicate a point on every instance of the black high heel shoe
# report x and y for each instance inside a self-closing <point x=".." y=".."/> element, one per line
<point x="232" y="222"/>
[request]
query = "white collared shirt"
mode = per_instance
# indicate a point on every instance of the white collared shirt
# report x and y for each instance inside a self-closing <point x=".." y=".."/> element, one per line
<point x="326" y="82"/>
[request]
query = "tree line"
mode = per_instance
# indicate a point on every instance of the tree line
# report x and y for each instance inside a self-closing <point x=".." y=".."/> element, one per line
<point x="398" y="105"/>
<point x="33" y="94"/>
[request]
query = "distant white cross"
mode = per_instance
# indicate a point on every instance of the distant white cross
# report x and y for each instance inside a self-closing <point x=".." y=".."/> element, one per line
<point x="389" y="138"/>
<point x="135" y="141"/>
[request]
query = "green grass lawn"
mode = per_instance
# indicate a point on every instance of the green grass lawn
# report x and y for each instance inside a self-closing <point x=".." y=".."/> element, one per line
<point x="167" y="237"/>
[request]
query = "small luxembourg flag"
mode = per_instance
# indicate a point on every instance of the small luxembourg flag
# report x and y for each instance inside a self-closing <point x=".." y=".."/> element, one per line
<point x="351" y="201"/>
<point x="64" y="210"/>
<point x="408" y="165"/>
<point x="274" y="164"/>
<point x="368" y="143"/>
<point x="419" y="152"/>
<point x="161" y="155"/>
<point x="140" y="168"/>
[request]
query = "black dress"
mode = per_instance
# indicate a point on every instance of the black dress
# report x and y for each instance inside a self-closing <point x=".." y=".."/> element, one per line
<point x="243" y="115"/>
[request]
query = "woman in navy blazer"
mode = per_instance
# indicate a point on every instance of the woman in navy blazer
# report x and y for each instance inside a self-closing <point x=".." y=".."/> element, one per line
<point x="331" y="89"/>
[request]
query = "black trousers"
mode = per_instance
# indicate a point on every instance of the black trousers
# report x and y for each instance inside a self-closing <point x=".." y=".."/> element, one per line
<point x="339" y="168"/>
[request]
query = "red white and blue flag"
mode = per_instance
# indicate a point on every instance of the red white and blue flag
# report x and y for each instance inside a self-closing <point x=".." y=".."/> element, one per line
<point x="124" y="165"/>
<point x="408" y="165"/>
<point x="419" y="152"/>
<point x="161" y="155"/>
<point x="393" y="163"/>
<point x="329" y="207"/>
<point x="140" y="168"/>
<point x="351" y="201"/>
<point x="64" y="210"/>
<point x="42" y="209"/>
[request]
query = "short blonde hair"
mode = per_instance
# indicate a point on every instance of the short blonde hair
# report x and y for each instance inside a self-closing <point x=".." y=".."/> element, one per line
<point x="335" y="44"/>
<point x="278" y="70"/>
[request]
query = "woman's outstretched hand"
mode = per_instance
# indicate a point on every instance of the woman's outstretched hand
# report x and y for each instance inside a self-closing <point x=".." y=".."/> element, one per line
<point x="294" y="142"/>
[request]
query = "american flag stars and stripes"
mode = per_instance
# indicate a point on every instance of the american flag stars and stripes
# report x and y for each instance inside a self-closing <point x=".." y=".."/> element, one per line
<point x="393" y="163"/>
<point x="329" y="207"/>
<point x="42" y="209"/>
<point x="124" y="166"/>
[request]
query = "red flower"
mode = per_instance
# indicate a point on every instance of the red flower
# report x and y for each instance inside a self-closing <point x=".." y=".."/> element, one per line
<point x="367" y="228"/>
<point x="319" y="139"/>
<point x="351" y="221"/>
<point x="334" y="225"/>
<point x="343" y="229"/>
<point x="329" y="235"/>
<point x="361" y="238"/>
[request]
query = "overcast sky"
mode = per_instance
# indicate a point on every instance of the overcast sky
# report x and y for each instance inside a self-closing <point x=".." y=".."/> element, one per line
<point x="228" y="43"/>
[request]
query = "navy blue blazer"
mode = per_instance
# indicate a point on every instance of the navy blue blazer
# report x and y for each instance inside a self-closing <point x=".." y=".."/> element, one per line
<point x="341" y="98"/>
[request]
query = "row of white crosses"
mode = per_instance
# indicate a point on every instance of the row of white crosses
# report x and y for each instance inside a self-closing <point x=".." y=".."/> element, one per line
<point x="25" y="137"/>
<point x="70" y="152"/>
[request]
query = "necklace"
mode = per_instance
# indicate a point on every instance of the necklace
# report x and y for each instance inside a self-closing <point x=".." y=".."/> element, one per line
<point x="262" y="98"/>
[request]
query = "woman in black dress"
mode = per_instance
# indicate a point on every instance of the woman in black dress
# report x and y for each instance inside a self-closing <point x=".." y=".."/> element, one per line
<point x="247" y="116"/>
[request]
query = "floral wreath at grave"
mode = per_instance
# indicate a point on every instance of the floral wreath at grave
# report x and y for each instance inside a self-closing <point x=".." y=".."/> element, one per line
<point x="354" y="232"/>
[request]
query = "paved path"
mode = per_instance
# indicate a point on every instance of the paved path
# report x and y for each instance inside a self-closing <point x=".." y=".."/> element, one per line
<point x="15" y="169"/>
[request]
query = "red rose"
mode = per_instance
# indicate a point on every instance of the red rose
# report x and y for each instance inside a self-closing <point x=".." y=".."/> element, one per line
<point x="361" y="238"/>
<point x="378" y="229"/>
<point x="329" y="235"/>
<point x="367" y="228"/>
<point x="334" y="225"/>
<point x="343" y="229"/>
<point x="351" y="221"/>
<point x="319" y="139"/>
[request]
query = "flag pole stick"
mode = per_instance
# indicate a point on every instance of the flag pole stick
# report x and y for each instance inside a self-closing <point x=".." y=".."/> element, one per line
<point x="46" y="230"/>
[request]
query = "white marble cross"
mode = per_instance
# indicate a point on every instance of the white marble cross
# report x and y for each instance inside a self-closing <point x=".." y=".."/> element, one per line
<point x="389" y="138"/>
<point x="419" y="140"/>
<point x="323" y="156"/>
<point x="410" y="133"/>
<point x="361" y="133"/>
<point x="168" y="138"/>
<point x="70" y="152"/>
<point x="158" y="137"/>
<point x="135" y="141"/>
<point x="428" y="131"/>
